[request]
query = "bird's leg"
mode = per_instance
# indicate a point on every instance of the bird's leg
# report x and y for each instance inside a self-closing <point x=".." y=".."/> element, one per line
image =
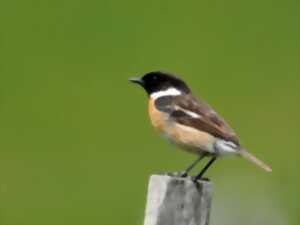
<point x="204" y="169"/>
<point x="187" y="170"/>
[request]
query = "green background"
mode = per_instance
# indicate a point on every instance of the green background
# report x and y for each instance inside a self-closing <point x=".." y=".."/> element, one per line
<point x="76" y="145"/>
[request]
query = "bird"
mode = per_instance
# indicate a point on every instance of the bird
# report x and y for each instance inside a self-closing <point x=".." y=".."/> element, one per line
<point x="189" y="122"/>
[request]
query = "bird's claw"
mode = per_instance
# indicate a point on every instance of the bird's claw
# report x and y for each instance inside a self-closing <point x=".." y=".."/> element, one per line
<point x="182" y="174"/>
<point x="178" y="174"/>
<point x="195" y="178"/>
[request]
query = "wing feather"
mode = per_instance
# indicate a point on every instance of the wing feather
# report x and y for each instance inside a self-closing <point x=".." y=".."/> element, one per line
<point x="178" y="107"/>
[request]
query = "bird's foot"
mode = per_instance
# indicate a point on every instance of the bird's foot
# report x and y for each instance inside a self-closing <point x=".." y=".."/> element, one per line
<point x="181" y="174"/>
<point x="195" y="179"/>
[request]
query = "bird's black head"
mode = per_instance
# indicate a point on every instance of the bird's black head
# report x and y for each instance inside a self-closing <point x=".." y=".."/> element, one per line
<point x="159" y="81"/>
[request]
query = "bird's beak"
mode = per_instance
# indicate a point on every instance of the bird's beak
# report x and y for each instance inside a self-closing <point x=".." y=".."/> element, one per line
<point x="137" y="80"/>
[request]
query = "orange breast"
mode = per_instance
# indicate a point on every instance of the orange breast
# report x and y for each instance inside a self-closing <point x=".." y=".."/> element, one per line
<point x="158" y="119"/>
<point x="187" y="138"/>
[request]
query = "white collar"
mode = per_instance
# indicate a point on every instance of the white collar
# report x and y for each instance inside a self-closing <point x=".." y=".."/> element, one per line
<point x="169" y="92"/>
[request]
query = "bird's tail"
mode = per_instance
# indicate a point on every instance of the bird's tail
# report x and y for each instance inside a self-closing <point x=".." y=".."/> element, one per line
<point x="255" y="160"/>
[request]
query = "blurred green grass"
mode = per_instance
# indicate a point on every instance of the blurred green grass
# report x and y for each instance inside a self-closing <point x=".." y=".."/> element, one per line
<point x="76" y="144"/>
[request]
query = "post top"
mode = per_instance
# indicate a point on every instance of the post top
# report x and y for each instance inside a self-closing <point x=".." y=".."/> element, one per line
<point x="168" y="177"/>
<point x="174" y="200"/>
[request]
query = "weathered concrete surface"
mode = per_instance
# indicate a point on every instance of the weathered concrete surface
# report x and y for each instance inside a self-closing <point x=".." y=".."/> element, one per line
<point x="178" y="201"/>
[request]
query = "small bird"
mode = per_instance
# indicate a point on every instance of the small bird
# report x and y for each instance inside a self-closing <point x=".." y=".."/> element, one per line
<point x="189" y="122"/>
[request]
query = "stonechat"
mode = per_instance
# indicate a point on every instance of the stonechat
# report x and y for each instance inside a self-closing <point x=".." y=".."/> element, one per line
<point x="189" y="122"/>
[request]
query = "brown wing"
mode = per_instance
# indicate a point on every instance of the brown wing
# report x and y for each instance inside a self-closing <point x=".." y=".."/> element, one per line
<point x="208" y="120"/>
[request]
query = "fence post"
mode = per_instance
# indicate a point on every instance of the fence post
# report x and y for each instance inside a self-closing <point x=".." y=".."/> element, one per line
<point x="178" y="201"/>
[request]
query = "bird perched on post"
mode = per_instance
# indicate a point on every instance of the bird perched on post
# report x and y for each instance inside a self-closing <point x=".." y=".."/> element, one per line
<point x="189" y="122"/>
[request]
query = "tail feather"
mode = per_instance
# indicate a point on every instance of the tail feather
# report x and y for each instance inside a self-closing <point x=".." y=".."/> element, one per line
<point x="255" y="160"/>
